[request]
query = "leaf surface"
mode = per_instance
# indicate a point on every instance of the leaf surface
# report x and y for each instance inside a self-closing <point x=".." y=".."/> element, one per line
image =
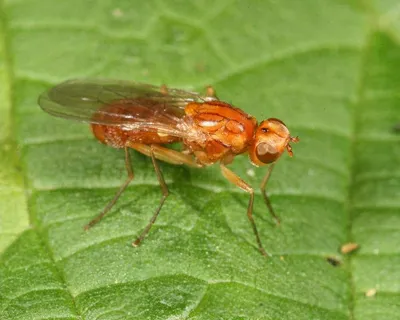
<point x="328" y="69"/>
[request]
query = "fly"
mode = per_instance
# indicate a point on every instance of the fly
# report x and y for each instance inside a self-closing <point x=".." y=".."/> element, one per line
<point x="146" y="118"/>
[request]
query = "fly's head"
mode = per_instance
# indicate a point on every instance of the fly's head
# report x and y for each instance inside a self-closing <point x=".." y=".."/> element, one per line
<point x="271" y="139"/>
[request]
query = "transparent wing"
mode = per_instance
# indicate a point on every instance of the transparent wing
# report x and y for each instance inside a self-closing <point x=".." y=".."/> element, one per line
<point x="82" y="99"/>
<point x="134" y="106"/>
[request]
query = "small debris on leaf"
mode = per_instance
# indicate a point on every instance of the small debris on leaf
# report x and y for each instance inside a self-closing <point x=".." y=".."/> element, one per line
<point x="334" y="261"/>
<point x="349" y="247"/>
<point x="370" y="293"/>
<point x="117" y="13"/>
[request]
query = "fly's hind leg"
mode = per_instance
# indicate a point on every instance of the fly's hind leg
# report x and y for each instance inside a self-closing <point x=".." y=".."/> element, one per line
<point x="166" y="155"/>
<point x="128" y="180"/>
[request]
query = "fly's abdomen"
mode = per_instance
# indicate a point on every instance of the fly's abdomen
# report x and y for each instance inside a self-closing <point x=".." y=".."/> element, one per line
<point x="119" y="135"/>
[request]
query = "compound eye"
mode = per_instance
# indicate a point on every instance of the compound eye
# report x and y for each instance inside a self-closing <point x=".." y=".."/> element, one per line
<point x="267" y="153"/>
<point x="264" y="130"/>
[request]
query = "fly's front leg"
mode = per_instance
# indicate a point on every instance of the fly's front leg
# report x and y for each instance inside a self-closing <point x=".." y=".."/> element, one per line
<point x="266" y="198"/>
<point x="128" y="180"/>
<point x="236" y="180"/>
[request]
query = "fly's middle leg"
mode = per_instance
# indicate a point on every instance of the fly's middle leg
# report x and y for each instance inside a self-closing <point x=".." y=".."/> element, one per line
<point x="165" y="194"/>
<point x="128" y="180"/>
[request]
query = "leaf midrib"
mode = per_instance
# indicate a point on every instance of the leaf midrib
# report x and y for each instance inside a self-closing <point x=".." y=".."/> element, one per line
<point x="349" y="206"/>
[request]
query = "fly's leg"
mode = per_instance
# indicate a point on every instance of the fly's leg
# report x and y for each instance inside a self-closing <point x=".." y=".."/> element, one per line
<point x="165" y="154"/>
<point x="165" y="193"/>
<point x="164" y="89"/>
<point x="266" y="198"/>
<point x="236" y="180"/>
<point x="210" y="93"/>
<point x="108" y="207"/>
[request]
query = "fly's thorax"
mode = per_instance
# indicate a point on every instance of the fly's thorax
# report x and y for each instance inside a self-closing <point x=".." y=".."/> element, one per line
<point x="222" y="122"/>
<point x="225" y="129"/>
<point x="271" y="138"/>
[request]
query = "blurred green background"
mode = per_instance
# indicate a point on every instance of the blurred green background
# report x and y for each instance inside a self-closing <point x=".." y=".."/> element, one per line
<point x="329" y="69"/>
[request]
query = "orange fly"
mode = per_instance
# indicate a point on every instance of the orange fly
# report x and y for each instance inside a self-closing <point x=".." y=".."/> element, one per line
<point x="143" y="117"/>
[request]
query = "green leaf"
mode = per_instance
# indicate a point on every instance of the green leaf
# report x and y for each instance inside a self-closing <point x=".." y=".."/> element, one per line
<point x="329" y="69"/>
